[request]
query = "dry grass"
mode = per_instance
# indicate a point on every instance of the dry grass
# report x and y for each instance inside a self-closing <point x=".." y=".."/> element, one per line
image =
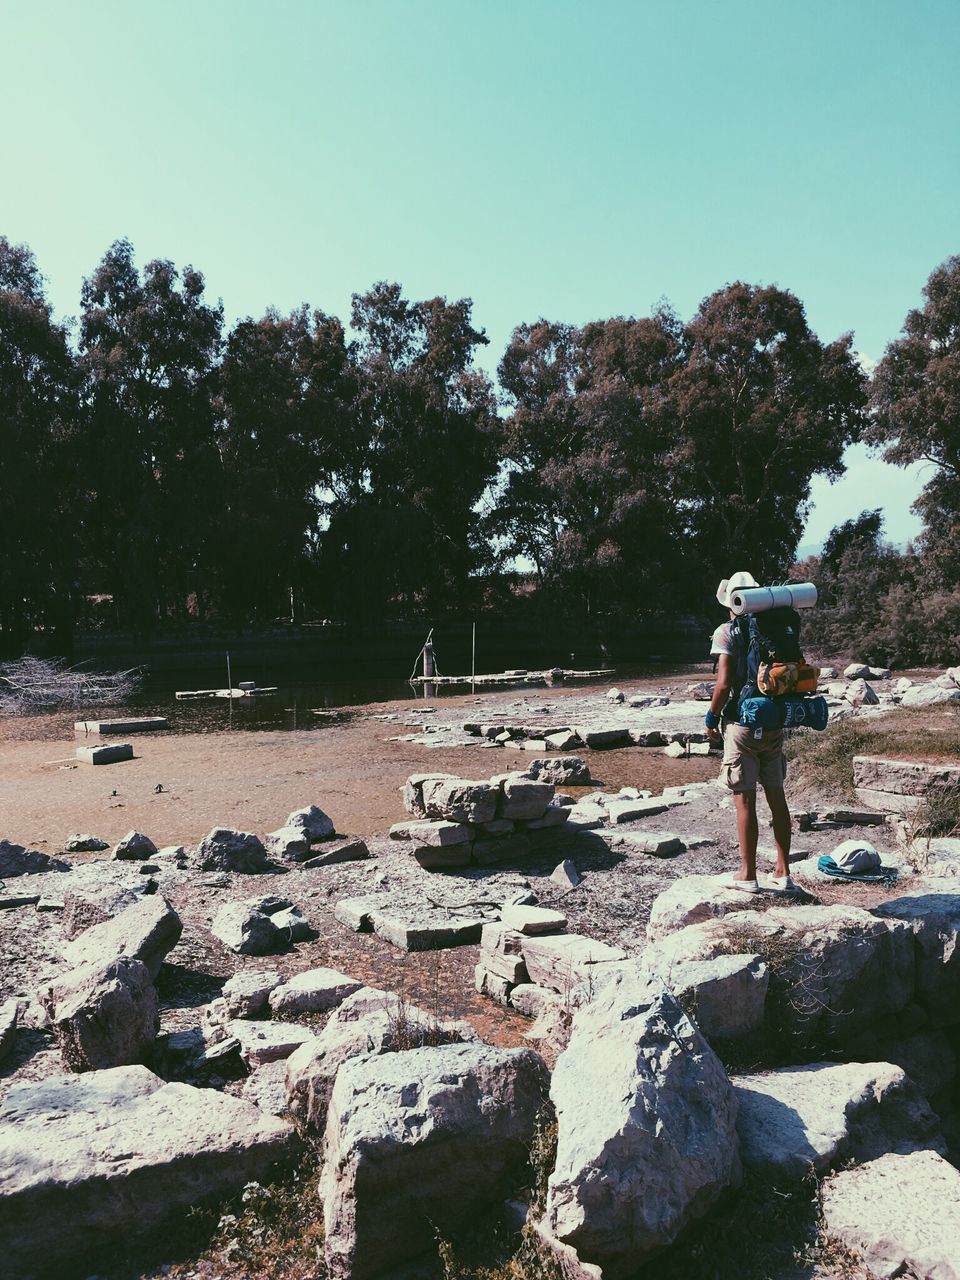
<point x="821" y="764"/>
<point x="41" y="684"/>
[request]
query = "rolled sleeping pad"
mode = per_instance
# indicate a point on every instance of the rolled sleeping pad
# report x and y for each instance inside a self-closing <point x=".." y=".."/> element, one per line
<point x="799" y="595"/>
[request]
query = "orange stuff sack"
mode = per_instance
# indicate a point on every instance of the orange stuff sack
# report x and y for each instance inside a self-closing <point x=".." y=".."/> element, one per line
<point x="778" y="678"/>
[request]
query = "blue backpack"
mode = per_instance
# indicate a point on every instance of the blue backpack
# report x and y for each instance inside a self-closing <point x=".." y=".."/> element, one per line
<point x="772" y="636"/>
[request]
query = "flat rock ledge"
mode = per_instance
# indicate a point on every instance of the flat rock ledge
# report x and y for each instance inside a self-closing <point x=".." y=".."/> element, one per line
<point x="87" y="1161"/>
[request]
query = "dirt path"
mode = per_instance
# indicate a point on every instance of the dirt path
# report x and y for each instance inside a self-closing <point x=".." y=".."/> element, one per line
<point x="253" y="780"/>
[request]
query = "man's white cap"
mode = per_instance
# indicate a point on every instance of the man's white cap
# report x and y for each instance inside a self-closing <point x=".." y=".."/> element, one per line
<point x="728" y="586"/>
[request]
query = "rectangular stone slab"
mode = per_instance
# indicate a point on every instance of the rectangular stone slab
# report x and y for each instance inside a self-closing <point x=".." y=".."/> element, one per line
<point x="109" y="753"/>
<point x="904" y="777"/>
<point x="88" y="1162"/>
<point x="148" y="725"/>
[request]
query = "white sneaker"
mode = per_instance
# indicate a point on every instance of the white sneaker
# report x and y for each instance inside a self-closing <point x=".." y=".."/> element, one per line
<point x="745" y="886"/>
<point x="784" y="883"/>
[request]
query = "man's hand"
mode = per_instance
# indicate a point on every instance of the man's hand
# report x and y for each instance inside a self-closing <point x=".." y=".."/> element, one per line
<point x="715" y="737"/>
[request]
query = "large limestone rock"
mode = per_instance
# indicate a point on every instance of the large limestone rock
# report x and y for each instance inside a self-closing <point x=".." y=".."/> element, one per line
<point x="103" y="1015"/>
<point x="245" y="995"/>
<point x="861" y="694"/>
<point x="834" y="971"/>
<point x="523" y="799"/>
<point x="459" y="800"/>
<point x="86" y="906"/>
<point x="412" y="792"/>
<point x="312" y="991"/>
<point x="368" y="1022"/>
<point x="562" y="961"/>
<point x="88" y="1162"/>
<point x="901" y="1213"/>
<point x="224" y="849"/>
<point x="146" y="930"/>
<point x="726" y="997"/>
<point x="135" y="847"/>
<point x="560" y="771"/>
<point x="694" y="899"/>
<point x="418" y="1143"/>
<point x="9" y="1014"/>
<point x="814" y="1117"/>
<point x="15" y="860"/>
<point x="934" y="918"/>
<point x="646" y="1130"/>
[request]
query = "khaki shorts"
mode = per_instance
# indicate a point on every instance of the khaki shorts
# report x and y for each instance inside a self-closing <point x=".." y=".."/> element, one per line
<point x="748" y="760"/>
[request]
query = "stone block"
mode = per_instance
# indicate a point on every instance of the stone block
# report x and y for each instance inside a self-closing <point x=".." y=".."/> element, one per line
<point x="619" y="811"/>
<point x="109" y="753"/>
<point x="532" y="920"/>
<point x="151" y="724"/>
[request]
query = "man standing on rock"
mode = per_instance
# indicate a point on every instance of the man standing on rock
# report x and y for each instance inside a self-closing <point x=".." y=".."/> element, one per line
<point x="749" y="755"/>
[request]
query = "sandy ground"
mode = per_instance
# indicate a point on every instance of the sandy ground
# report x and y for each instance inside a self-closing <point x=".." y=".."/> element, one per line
<point x="253" y="780"/>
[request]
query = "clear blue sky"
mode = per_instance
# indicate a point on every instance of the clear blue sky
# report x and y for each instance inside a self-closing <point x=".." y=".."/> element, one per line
<point x="563" y="159"/>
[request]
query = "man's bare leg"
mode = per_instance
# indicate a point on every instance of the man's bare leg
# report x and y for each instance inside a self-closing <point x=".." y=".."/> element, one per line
<point x="745" y="803"/>
<point x="781" y="830"/>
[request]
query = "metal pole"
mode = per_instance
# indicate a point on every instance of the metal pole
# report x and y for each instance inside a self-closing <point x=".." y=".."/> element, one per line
<point x="428" y="664"/>
<point x="473" y="662"/>
<point x="229" y="677"/>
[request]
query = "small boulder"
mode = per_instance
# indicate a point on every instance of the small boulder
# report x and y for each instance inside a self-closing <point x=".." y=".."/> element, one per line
<point x="856" y="671"/>
<point x="247" y="993"/>
<point x="861" y="694"/>
<point x="247" y="926"/>
<point x="521" y="798"/>
<point x="565" y="875"/>
<point x="134" y="847"/>
<point x="85" y="907"/>
<point x="288" y="844"/>
<point x="9" y="1013"/>
<point x="224" y="849"/>
<point x="459" y="800"/>
<point x="312" y="991"/>
<point x="103" y="1015"/>
<point x="313" y="822"/>
<point x="560" y="771"/>
<point x="84" y="844"/>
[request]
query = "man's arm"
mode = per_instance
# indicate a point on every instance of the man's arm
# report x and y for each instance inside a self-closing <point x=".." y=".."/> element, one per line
<point x="721" y="692"/>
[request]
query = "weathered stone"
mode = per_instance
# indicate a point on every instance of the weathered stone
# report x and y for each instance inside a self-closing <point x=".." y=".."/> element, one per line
<point x="838" y="973"/>
<point x="336" y="852"/>
<point x="262" y="1042"/>
<point x="291" y="925"/>
<point x="290" y="844"/>
<point x="313" y="822"/>
<point x="925" y="695"/>
<point x="563" y="960"/>
<point x="147" y="930"/>
<point x="88" y="906"/>
<point x="725" y="996"/>
<point x="600" y="739"/>
<point x="856" y="671"/>
<point x="644" y="701"/>
<point x="134" y="847"/>
<point x="498" y="827"/>
<point x="405" y="1137"/>
<point x="109" y="753"/>
<point x="459" y="800"/>
<point x="565" y="875"/>
<point x="691" y="900"/>
<point x="889" y="802"/>
<point x="412" y="791"/>
<point x="224" y="849"/>
<point x="643" y="1105"/>
<point x="73" y="1147"/>
<point x="247" y="926"/>
<point x="15" y="860"/>
<point x="561" y="771"/>
<point x="532" y="920"/>
<point x="701" y="692"/>
<point x="522" y="798"/>
<point x="490" y="984"/>
<point x="901" y="1213"/>
<point x="555" y="815"/>
<point x="9" y="1013"/>
<point x="411" y="927"/>
<point x="247" y="993"/>
<point x="562" y="741"/>
<point x="814" y="1117"/>
<point x="906" y="777"/>
<point x="84" y="844"/>
<point x="860" y="694"/>
<point x="9" y="901"/>
<point x="660" y="844"/>
<point x="587" y="815"/>
<point x="934" y="918"/>
<point x="619" y="811"/>
<point x="266" y="1087"/>
<point x="103" y="1014"/>
<point x="312" y="991"/>
<point x="440" y="834"/>
<point x="149" y="724"/>
<point x="928" y="1057"/>
<point x="532" y="1001"/>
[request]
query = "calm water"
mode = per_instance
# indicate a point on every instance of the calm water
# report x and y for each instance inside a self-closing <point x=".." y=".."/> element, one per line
<point x="296" y="705"/>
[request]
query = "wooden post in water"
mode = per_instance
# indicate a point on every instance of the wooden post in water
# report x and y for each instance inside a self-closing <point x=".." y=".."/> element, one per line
<point x="473" y="661"/>
<point x="428" y="663"/>
<point x="229" y="677"/>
